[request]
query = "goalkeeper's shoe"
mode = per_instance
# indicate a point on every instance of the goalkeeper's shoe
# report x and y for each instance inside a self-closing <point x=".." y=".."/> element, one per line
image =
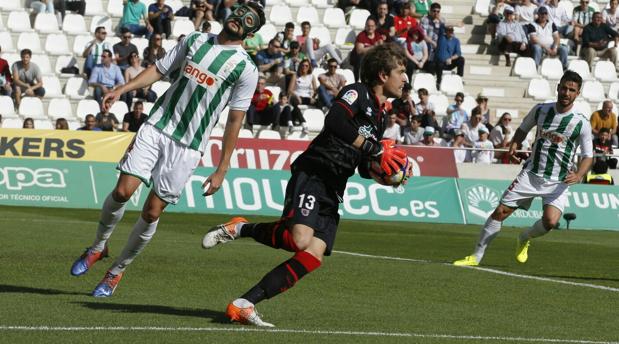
<point x="86" y="260"/>
<point x="223" y="233"/>
<point x="522" y="250"/>
<point x="244" y="312"/>
<point x="467" y="261"/>
<point x="108" y="284"/>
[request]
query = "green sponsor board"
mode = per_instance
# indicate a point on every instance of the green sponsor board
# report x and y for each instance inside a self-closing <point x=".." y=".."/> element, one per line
<point x="251" y="192"/>
<point x="595" y="206"/>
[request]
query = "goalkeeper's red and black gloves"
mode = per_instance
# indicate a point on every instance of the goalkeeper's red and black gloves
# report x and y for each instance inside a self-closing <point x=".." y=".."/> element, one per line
<point x="391" y="159"/>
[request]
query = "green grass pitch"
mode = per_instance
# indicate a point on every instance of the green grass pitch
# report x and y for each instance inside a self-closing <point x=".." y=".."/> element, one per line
<point x="176" y="292"/>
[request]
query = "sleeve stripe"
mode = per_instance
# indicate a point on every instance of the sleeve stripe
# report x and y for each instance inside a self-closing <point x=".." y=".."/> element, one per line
<point x="350" y="114"/>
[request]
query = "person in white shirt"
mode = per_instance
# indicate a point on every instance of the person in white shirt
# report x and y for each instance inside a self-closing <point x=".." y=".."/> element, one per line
<point x="485" y="154"/>
<point x="392" y="131"/>
<point x="429" y="139"/>
<point x="611" y="15"/>
<point x="559" y="16"/>
<point x="461" y="155"/>
<point x="413" y="134"/>
<point x="471" y="128"/>
<point x="525" y="12"/>
<point x="544" y="38"/>
<point x="502" y="133"/>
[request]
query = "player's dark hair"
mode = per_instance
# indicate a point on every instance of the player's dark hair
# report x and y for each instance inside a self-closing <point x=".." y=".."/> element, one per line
<point x="604" y="130"/>
<point x="289" y="25"/>
<point x="570" y="75"/>
<point x="381" y="58"/>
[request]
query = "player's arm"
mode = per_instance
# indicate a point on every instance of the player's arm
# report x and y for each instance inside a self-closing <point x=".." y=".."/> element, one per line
<point x="586" y="151"/>
<point x="529" y="121"/>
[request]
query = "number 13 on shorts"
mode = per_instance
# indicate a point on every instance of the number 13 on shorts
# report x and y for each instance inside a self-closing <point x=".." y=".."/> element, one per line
<point x="306" y="203"/>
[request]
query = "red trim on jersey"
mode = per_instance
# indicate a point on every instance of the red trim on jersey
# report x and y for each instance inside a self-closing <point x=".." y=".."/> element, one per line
<point x="306" y="259"/>
<point x="350" y="114"/>
<point x="294" y="274"/>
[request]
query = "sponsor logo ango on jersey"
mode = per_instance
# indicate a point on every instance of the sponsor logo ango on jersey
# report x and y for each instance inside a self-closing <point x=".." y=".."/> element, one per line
<point x="17" y="178"/>
<point x="204" y="78"/>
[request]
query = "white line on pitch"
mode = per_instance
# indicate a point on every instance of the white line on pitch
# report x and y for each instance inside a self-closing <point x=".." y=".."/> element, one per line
<point x="300" y="331"/>
<point x="494" y="271"/>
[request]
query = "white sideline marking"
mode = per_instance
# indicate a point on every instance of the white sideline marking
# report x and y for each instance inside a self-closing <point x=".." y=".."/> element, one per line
<point x="494" y="271"/>
<point x="300" y="331"/>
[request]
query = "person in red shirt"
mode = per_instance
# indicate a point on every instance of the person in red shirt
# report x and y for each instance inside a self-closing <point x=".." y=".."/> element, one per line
<point x="403" y="22"/>
<point x="365" y="40"/>
<point x="261" y="109"/>
<point x="5" y="77"/>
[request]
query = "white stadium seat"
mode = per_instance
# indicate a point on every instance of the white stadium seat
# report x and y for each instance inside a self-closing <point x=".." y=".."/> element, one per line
<point x="298" y="136"/>
<point x="568" y="5"/>
<point x="424" y="80"/>
<point x="358" y="17"/>
<point x="296" y="3"/>
<point x="111" y="39"/>
<point x="314" y="118"/>
<point x="334" y="18"/>
<point x="482" y="7"/>
<point x="31" y="107"/>
<point x="174" y="4"/>
<point x="276" y="90"/>
<point x="29" y="40"/>
<point x="104" y="21"/>
<point x="74" y="24"/>
<point x="7" y="107"/>
<point x="440" y="103"/>
<point x="308" y="13"/>
<point x="11" y="5"/>
<point x="159" y="87"/>
<point x="52" y="86"/>
<point x="217" y="132"/>
<point x="345" y="37"/>
<point x="322" y="33"/>
<point x="85" y="107"/>
<point x="321" y="4"/>
<point x="613" y="91"/>
<point x="451" y="84"/>
<point x="593" y="91"/>
<point x="140" y="43"/>
<point x="348" y="74"/>
<point x="215" y="27"/>
<point x="182" y="26"/>
<point x="19" y="21"/>
<point x="60" y="107"/>
<point x="42" y="61"/>
<point x="76" y="88"/>
<point x="267" y="32"/>
<point x="46" y="23"/>
<point x="11" y="58"/>
<point x="74" y="124"/>
<point x="65" y="61"/>
<point x="469" y="103"/>
<point x="119" y="109"/>
<point x="147" y="107"/>
<point x="115" y="8"/>
<point x="269" y="134"/>
<point x="57" y="44"/>
<point x="280" y="15"/>
<point x="581" y="67"/>
<point x="512" y="112"/>
<point x="551" y="69"/>
<point x="79" y="44"/>
<point x="246" y="134"/>
<point x="43" y="124"/>
<point x="6" y="42"/>
<point x="12" y="123"/>
<point x="539" y="89"/>
<point x="583" y="107"/>
<point x="605" y="71"/>
<point x="169" y="44"/>
<point x="525" y="68"/>
<point x="274" y="2"/>
<point x="94" y="7"/>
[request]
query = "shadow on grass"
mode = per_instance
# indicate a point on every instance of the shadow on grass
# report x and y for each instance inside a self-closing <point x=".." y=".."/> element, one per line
<point x="215" y="316"/>
<point x="18" y="289"/>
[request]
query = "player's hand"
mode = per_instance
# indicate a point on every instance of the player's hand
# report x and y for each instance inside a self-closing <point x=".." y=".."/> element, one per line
<point x="572" y="178"/>
<point x="409" y="173"/>
<point x="214" y="182"/>
<point x="113" y="96"/>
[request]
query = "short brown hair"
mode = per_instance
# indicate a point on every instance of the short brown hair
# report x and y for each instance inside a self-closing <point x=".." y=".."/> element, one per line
<point x="381" y="58"/>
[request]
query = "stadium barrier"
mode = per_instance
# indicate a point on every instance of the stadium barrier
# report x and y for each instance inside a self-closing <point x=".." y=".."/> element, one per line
<point x="81" y="184"/>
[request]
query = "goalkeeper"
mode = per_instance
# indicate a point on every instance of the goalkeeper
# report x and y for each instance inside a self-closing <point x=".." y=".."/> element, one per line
<point x="350" y="137"/>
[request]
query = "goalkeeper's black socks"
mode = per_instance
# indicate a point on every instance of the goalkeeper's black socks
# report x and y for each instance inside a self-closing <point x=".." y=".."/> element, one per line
<point x="274" y="234"/>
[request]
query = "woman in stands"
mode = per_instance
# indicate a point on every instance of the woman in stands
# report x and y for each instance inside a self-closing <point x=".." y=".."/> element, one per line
<point x="130" y="73"/>
<point x="28" y="123"/>
<point x="416" y="51"/>
<point x="502" y="133"/>
<point x="153" y="52"/>
<point x="302" y="91"/>
<point x="62" y="124"/>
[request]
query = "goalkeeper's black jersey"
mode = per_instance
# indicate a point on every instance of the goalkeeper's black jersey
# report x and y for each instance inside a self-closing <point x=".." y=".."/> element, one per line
<point x="355" y="111"/>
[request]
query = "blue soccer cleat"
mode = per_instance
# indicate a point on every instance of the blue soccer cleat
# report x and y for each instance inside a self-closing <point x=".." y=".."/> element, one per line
<point x="86" y="260"/>
<point x="108" y="284"/>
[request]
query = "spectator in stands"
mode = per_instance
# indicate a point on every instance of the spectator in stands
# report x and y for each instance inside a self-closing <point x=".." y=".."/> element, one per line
<point x="302" y="91"/>
<point x="544" y="38"/>
<point x="253" y="43"/>
<point x="123" y="49"/>
<point x="413" y="133"/>
<point x="559" y="16"/>
<point x="424" y="107"/>
<point x="429" y="139"/>
<point x="160" y="17"/>
<point x="90" y="123"/>
<point x="93" y="50"/>
<point x="384" y="20"/>
<point x="525" y="12"/>
<point x="206" y="26"/>
<point x="286" y="37"/>
<point x="460" y="155"/>
<point x="260" y="110"/>
<point x="403" y="22"/>
<point x="511" y="37"/>
<point x="457" y="115"/>
<point x="485" y="150"/>
<point x="472" y="127"/>
<point x="62" y="124"/>
<point x="330" y="83"/>
<point x="393" y="130"/>
<point x="416" y="51"/>
<point x="28" y="123"/>
<point x="200" y="10"/>
<point x="611" y="15"/>
<point x="434" y="27"/>
<point x="311" y="46"/>
<point x="364" y="41"/>
<point x="77" y="6"/>
<point x="105" y="76"/>
<point x="482" y="104"/>
<point x="133" y="120"/>
<point x="134" y="69"/>
<point x="6" y="80"/>
<point x="603" y="145"/>
<point x="404" y="107"/>
<point x="154" y="51"/>
<point x="270" y="61"/>
<point x="595" y="38"/>
<point x="292" y="61"/>
<point x="582" y="15"/>
<point x="133" y="12"/>
<point x="27" y="79"/>
<point x="448" y="55"/>
<point x="41" y="6"/>
<point x="599" y="174"/>
<point x="604" y="118"/>
<point x="496" y="16"/>
<point x="282" y="112"/>
<point x="106" y="120"/>
<point x="502" y="133"/>
<point x="420" y="8"/>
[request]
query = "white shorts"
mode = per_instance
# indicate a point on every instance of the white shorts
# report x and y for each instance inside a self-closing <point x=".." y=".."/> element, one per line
<point x="155" y="157"/>
<point x="527" y="186"/>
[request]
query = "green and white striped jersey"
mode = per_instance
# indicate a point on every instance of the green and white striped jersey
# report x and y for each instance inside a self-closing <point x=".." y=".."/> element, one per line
<point x="558" y="136"/>
<point x="205" y="77"/>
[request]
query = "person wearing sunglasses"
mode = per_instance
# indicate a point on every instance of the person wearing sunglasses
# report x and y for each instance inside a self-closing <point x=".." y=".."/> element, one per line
<point x="331" y="83"/>
<point x="134" y="11"/>
<point x="93" y="50"/>
<point x="124" y="49"/>
<point x="160" y="17"/>
<point x="154" y="51"/>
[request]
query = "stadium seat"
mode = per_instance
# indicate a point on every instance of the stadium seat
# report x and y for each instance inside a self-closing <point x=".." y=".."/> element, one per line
<point x="19" y="21"/>
<point x="169" y="44"/>
<point x="605" y="71"/>
<point x="499" y="112"/>
<point x="440" y="103"/>
<point x="468" y="104"/>
<point x="99" y="20"/>
<point x="11" y="5"/>
<point x="52" y="86"/>
<point x="358" y="17"/>
<point x="276" y="91"/>
<point x="308" y="13"/>
<point x="65" y="61"/>
<point x="596" y="7"/>
<point x="60" y="107"/>
<point x="348" y="74"/>
<point x="115" y="8"/>
<point x="11" y="58"/>
<point x="140" y="43"/>
<point x="2" y="24"/>
<point x="148" y="106"/>
<point x="551" y="69"/>
<point x="29" y="40"/>
<point x="296" y="3"/>
<point x="321" y="4"/>
<point x="74" y="24"/>
<point x="215" y="27"/>
<point x="451" y="84"/>
<point x="44" y="124"/>
<point x="539" y="89"/>
<point x="581" y="67"/>
<point x="314" y="118"/>
<point x="269" y="134"/>
<point x="6" y="42"/>
<point x="182" y="26"/>
<point x="175" y="4"/>
<point x="583" y="107"/>
<point x="79" y="44"/>
<point x="334" y="18"/>
<point x="246" y="134"/>
<point x="74" y="124"/>
<point x="86" y="107"/>
<point x="274" y="2"/>
<point x="12" y="123"/>
<point x="267" y="32"/>
<point x="57" y="44"/>
<point x="424" y="80"/>
<point x="119" y="108"/>
<point x="46" y="23"/>
<point x="31" y="107"/>
<point x="217" y="132"/>
<point x="345" y="37"/>
<point x="322" y="33"/>
<point x="42" y="61"/>
<point x="111" y="39"/>
<point x="280" y="15"/>
<point x="317" y="71"/>
<point x="7" y="107"/>
<point x="568" y="5"/>
<point x="525" y="68"/>
<point x="482" y="7"/>
<point x="613" y="91"/>
<point x="593" y="91"/>
<point x="94" y="7"/>
<point x="76" y="88"/>
<point x="159" y="87"/>
<point x="298" y="136"/>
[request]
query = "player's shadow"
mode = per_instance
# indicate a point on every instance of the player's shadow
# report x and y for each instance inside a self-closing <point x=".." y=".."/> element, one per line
<point x="19" y="289"/>
<point x="215" y="316"/>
